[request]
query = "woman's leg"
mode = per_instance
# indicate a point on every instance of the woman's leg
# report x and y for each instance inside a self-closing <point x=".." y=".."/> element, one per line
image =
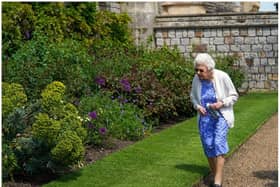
<point x="219" y="169"/>
<point x="212" y="164"/>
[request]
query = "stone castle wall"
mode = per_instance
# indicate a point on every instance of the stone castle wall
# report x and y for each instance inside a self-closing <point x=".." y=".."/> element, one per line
<point x="251" y="36"/>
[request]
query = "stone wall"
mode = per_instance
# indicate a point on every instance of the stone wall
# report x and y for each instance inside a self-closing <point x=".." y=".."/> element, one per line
<point x="251" y="36"/>
<point x="143" y="15"/>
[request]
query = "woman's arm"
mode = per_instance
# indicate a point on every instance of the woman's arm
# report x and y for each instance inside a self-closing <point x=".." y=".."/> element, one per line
<point x="230" y="91"/>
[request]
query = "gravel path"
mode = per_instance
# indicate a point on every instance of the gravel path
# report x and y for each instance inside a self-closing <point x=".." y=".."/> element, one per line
<point x="254" y="164"/>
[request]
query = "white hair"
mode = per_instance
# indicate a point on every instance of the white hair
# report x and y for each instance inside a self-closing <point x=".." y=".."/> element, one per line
<point x="204" y="59"/>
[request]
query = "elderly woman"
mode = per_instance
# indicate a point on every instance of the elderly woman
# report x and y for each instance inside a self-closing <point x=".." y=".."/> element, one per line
<point x="213" y="95"/>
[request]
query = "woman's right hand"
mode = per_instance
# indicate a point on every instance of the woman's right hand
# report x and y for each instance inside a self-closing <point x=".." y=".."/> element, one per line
<point x="201" y="110"/>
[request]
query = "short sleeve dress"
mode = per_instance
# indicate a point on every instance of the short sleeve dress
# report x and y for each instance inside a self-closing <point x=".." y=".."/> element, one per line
<point x="213" y="129"/>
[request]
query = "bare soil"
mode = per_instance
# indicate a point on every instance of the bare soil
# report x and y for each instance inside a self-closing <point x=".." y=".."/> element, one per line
<point x="255" y="163"/>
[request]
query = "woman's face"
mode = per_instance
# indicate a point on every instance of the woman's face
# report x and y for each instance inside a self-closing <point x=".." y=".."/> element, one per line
<point x="203" y="72"/>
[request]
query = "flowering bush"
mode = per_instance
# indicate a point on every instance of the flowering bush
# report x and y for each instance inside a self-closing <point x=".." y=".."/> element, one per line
<point x="106" y="117"/>
<point x="157" y="80"/>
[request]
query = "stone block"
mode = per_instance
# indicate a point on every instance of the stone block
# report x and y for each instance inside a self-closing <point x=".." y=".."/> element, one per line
<point x="263" y="61"/>
<point x="262" y="40"/>
<point x="235" y="48"/>
<point x="191" y="33"/>
<point x="185" y="33"/>
<point x="243" y="32"/>
<point x="235" y="32"/>
<point x="257" y="48"/>
<point x="213" y="32"/>
<point x="267" y="47"/>
<point x="160" y="42"/>
<point x="275" y="47"/>
<point x="261" y="69"/>
<point x="245" y="48"/>
<point x="229" y="40"/>
<point x="219" y="41"/>
<point x="171" y="34"/>
<point x="259" y="31"/>
<point x="205" y="41"/>
<point x="185" y="41"/>
<point x="182" y="48"/>
<point x="272" y="39"/>
<point x="167" y="41"/>
<point x="195" y="41"/>
<point x="164" y="34"/>
<point x="266" y="31"/>
<point x="223" y="48"/>
<point x="274" y="69"/>
<point x="267" y="69"/>
<point x="260" y="84"/>
<point x="175" y="41"/>
<point x="262" y="54"/>
<point x="219" y="32"/>
<point x="250" y="54"/>
<point x="252" y="84"/>
<point x="207" y="33"/>
<point x="198" y="34"/>
<point x="251" y="31"/>
<point x="274" y="31"/>
<point x="256" y="61"/>
<point x="249" y="40"/>
<point x="271" y="61"/>
<point x="159" y="34"/>
<point x="179" y="34"/>
<point x="200" y="48"/>
<point x="239" y="40"/>
<point x="226" y="32"/>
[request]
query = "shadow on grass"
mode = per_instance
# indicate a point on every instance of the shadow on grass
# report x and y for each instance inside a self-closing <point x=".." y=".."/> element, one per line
<point x="193" y="168"/>
<point x="70" y="177"/>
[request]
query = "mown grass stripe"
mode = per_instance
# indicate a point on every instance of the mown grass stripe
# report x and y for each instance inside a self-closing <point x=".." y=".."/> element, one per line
<point x="173" y="157"/>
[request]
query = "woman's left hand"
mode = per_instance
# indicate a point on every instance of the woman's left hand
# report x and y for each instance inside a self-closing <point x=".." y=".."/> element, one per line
<point x="217" y="105"/>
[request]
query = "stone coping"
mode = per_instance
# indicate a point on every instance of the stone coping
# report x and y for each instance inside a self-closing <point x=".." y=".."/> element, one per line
<point x="257" y="19"/>
<point x="221" y="14"/>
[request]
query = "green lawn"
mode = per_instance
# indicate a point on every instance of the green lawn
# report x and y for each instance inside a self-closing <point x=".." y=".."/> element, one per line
<point x="173" y="157"/>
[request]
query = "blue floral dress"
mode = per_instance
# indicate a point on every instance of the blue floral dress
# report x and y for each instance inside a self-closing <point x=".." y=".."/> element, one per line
<point x="213" y="130"/>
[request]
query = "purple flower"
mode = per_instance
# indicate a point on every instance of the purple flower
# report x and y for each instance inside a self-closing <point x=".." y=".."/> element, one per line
<point x="125" y="85"/>
<point x="90" y="125"/>
<point x="138" y="89"/>
<point x="92" y="115"/>
<point x="103" y="130"/>
<point x="100" y="81"/>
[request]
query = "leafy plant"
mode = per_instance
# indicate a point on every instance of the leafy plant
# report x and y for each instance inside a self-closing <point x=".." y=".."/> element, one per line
<point x="18" y="24"/>
<point x="13" y="96"/>
<point x="227" y="64"/>
<point x="106" y="117"/>
<point x="39" y="62"/>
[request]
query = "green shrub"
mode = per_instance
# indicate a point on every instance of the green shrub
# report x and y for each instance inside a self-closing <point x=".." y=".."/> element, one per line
<point x="17" y="25"/>
<point x="9" y="162"/>
<point x="13" y="114"/>
<point x="175" y="74"/>
<point x="227" y="64"/>
<point x="13" y="96"/>
<point x="69" y="148"/>
<point x="106" y="117"/>
<point x="39" y="62"/>
<point x="59" y="124"/>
